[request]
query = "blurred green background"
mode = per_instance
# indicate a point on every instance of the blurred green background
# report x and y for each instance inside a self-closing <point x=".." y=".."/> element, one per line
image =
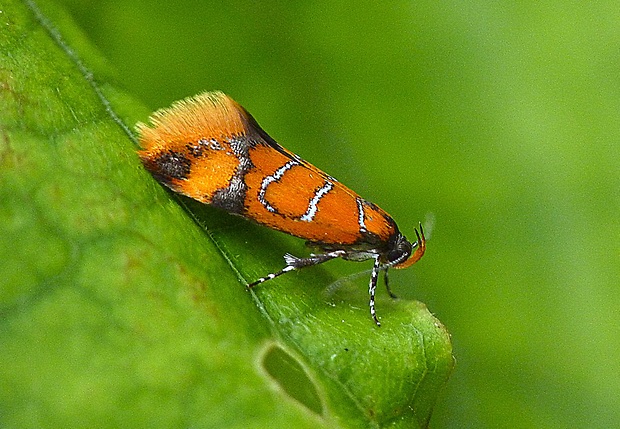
<point x="502" y="120"/>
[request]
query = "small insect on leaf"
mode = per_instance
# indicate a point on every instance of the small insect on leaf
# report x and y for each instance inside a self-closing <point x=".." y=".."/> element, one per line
<point x="211" y="149"/>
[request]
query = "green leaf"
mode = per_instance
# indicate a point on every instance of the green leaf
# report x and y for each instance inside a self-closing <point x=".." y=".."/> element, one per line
<point x="122" y="304"/>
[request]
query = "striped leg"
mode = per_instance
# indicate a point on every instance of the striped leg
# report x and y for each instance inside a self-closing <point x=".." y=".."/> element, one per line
<point x="295" y="263"/>
<point x="372" y="287"/>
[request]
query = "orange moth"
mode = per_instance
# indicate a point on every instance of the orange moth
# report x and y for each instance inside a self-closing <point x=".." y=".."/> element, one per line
<point x="211" y="149"/>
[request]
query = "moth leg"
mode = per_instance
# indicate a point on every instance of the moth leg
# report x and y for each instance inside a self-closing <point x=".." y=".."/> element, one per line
<point x="387" y="285"/>
<point x="295" y="263"/>
<point x="372" y="287"/>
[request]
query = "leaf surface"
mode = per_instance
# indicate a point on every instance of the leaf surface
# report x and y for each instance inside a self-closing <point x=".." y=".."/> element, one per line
<point x="123" y="305"/>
